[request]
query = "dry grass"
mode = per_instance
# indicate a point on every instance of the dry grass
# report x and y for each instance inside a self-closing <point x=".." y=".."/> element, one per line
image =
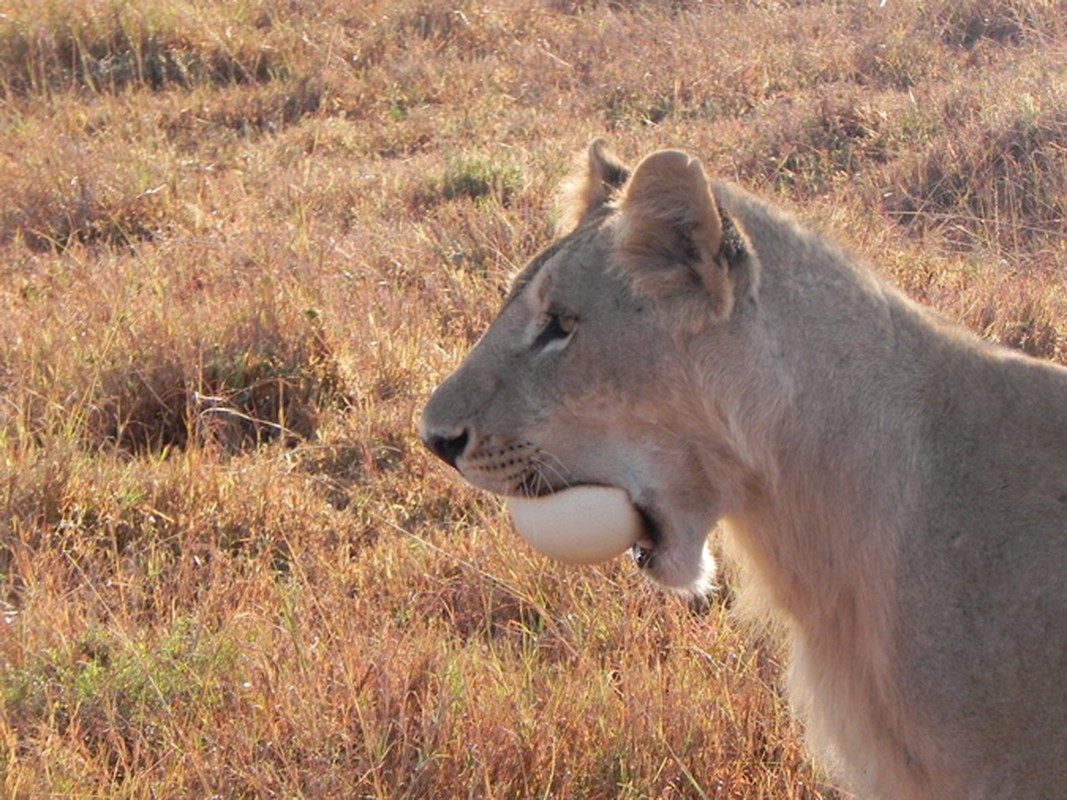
<point x="239" y="244"/>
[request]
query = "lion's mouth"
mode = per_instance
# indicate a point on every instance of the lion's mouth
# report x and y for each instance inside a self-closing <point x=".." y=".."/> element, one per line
<point x="643" y="550"/>
<point x="535" y="487"/>
<point x="532" y="483"/>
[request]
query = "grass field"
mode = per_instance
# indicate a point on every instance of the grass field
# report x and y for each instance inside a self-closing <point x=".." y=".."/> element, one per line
<point x="240" y="242"/>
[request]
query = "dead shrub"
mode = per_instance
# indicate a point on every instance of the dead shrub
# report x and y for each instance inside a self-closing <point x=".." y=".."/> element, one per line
<point x="1002" y="182"/>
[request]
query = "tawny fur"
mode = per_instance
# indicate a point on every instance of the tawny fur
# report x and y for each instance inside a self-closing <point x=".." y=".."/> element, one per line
<point x="895" y="489"/>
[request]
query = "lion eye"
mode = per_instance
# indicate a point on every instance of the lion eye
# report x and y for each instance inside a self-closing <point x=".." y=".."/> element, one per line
<point x="557" y="328"/>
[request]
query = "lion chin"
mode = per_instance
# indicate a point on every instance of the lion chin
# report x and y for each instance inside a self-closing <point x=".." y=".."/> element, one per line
<point x="892" y="489"/>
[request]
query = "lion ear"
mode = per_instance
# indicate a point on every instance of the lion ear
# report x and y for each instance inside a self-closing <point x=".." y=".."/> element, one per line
<point x="595" y="183"/>
<point x="671" y="231"/>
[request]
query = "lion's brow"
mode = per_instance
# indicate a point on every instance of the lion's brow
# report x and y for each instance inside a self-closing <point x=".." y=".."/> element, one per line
<point x="530" y="271"/>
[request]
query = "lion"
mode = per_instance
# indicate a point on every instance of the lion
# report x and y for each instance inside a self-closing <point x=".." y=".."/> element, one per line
<point x="894" y="487"/>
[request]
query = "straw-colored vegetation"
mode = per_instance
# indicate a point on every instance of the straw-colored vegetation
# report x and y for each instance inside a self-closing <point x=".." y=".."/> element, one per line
<point x="239" y="244"/>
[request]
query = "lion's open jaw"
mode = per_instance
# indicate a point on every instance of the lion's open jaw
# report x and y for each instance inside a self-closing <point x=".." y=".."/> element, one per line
<point x="644" y="550"/>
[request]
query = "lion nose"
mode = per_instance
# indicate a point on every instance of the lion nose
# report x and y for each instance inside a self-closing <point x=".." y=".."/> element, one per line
<point x="447" y="448"/>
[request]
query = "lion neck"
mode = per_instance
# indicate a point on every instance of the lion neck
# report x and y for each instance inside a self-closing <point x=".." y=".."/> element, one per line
<point x="797" y="395"/>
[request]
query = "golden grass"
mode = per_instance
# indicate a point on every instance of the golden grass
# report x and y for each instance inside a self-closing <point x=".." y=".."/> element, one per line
<point x="241" y="242"/>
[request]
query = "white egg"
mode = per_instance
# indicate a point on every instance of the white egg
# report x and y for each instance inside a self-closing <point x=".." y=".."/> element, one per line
<point x="583" y="525"/>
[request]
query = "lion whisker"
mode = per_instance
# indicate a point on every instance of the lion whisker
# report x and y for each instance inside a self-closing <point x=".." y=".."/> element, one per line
<point x="557" y="472"/>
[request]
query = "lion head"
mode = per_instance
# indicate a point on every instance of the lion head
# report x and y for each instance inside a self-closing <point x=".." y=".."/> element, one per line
<point x="585" y="377"/>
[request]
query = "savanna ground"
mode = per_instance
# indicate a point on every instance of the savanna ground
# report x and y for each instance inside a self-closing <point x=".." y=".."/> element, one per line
<point x="241" y="242"/>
